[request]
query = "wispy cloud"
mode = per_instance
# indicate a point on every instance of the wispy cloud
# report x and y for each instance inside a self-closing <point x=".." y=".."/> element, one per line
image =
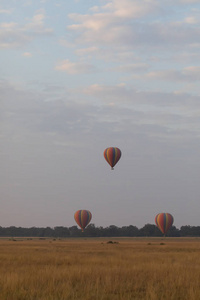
<point x="191" y="73"/>
<point x="75" y="67"/>
<point x="5" y="11"/>
<point x="132" y="67"/>
<point x="166" y="111"/>
<point x="27" y="54"/>
<point x="192" y="20"/>
<point x="132" y="9"/>
<point x="119" y="23"/>
<point x="13" y="34"/>
<point x="36" y="24"/>
<point x="87" y="51"/>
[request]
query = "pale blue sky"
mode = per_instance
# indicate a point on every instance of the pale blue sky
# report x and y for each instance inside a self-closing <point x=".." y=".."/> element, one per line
<point x="79" y="76"/>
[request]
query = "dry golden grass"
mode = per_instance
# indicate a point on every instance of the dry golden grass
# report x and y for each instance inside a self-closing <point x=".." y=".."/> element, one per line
<point x="92" y="269"/>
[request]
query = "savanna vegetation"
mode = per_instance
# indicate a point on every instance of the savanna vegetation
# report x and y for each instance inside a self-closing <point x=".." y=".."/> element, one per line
<point x="100" y="269"/>
<point x="148" y="230"/>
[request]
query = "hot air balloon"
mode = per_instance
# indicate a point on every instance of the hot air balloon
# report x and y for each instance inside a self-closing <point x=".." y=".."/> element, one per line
<point x="164" y="221"/>
<point x="112" y="155"/>
<point x="82" y="218"/>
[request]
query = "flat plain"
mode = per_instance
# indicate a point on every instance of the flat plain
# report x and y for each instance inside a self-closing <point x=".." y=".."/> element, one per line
<point x="100" y="269"/>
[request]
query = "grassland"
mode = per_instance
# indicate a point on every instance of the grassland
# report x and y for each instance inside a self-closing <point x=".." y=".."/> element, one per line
<point x="96" y="269"/>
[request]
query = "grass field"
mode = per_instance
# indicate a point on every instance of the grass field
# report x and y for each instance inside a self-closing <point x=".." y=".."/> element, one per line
<point x="100" y="269"/>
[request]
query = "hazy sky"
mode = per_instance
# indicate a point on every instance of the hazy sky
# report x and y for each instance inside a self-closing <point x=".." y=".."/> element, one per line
<point x="78" y="76"/>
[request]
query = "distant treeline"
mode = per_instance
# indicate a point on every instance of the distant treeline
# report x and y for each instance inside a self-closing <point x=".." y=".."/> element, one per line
<point x="148" y="230"/>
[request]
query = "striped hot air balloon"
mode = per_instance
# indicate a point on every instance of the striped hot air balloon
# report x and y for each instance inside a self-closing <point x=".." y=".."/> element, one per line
<point x="112" y="155"/>
<point x="164" y="221"/>
<point x="82" y="218"/>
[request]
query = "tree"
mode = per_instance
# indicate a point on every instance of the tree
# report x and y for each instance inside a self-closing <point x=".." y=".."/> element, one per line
<point x="61" y="231"/>
<point x="91" y="230"/>
<point x="129" y="231"/>
<point x="150" y="230"/>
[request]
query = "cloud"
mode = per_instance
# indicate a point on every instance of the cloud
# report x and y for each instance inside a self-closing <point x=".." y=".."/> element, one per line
<point x="132" y="67"/>
<point x="110" y="22"/>
<point x="192" y="20"/>
<point x="75" y="67"/>
<point x="165" y="113"/>
<point x="131" y="9"/>
<point x="14" y="35"/>
<point x="125" y="96"/>
<point x="188" y="1"/>
<point x="135" y="24"/>
<point x="87" y="51"/>
<point x="27" y="3"/>
<point x="27" y="54"/>
<point x="11" y="35"/>
<point x="94" y="9"/>
<point x="5" y="11"/>
<point x="191" y="73"/>
<point x="36" y="25"/>
<point x="66" y="43"/>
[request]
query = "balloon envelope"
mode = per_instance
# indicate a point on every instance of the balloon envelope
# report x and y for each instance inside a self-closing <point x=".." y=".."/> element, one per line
<point x="112" y="155"/>
<point x="164" y="221"/>
<point x="82" y="218"/>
